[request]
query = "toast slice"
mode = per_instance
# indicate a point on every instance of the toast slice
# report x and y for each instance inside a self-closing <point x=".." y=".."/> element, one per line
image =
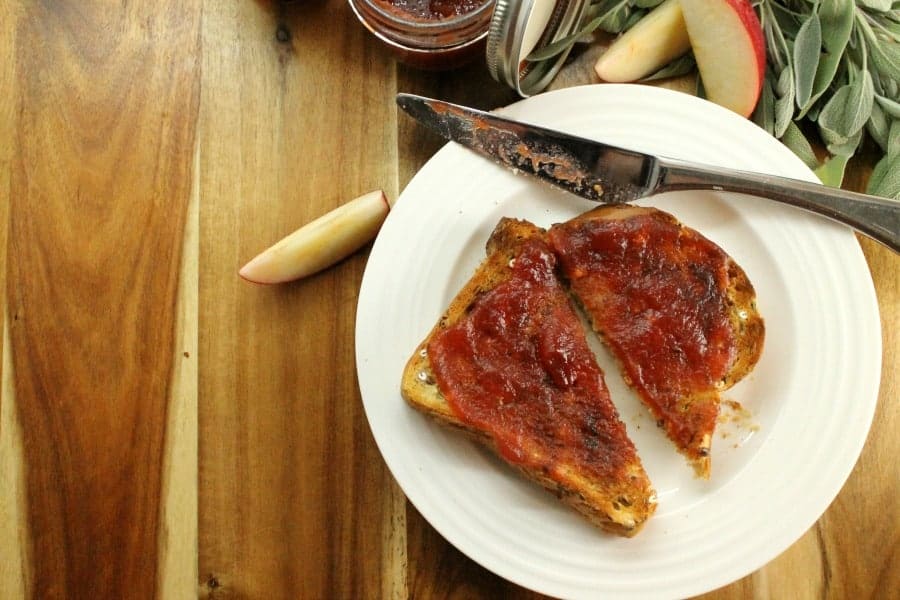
<point x="675" y="310"/>
<point x="509" y="364"/>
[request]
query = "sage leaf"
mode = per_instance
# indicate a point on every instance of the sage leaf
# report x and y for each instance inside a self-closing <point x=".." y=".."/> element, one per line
<point x="812" y="114"/>
<point x="680" y="66"/>
<point x="879" y="126"/>
<point x="885" y="59"/>
<point x="831" y="137"/>
<point x="551" y="50"/>
<point x="784" y="104"/>
<point x="831" y="173"/>
<point x="788" y="20"/>
<point x="794" y="139"/>
<point x="764" y="113"/>
<point x="849" y="108"/>
<point x="776" y="34"/>
<point x="893" y="27"/>
<point x="647" y="3"/>
<point x="847" y="147"/>
<point x="613" y="17"/>
<point x="892" y="88"/>
<point x="632" y="19"/>
<point x="876" y="5"/>
<point x="885" y="178"/>
<point x="877" y="83"/>
<point x="836" y="20"/>
<point x="807" y="48"/>
<point x="603" y="6"/>
<point x="893" y="146"/>
<point x="889" y="106"/>
<point x="614" y="20"/>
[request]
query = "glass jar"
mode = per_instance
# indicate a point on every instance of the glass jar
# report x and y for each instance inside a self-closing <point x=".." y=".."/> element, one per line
<point x="431" y="41"/>
<point x="502" y="32"/>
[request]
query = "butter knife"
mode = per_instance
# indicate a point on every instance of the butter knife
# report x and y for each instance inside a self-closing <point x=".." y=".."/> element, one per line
<point x="609" y="174"/>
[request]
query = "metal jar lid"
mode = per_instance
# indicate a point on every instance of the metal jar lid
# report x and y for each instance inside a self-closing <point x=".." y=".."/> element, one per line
<point x="519" y="27"/>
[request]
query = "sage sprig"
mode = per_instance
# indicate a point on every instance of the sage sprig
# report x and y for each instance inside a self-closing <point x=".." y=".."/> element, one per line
<point x="835" y="66"/>
<point x="612" y="16"/>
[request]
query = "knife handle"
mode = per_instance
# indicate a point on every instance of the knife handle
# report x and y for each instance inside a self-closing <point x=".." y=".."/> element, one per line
<point x="877" y="218"/>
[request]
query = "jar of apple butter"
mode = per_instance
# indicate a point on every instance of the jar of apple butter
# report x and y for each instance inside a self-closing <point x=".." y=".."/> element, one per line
<point x="444" y="34"/>
<point x="428" y="34"/>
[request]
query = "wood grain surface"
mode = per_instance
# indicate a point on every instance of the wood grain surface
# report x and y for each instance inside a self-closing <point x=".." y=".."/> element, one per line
<point x="105" y="106"/>
<point x="168" y="430"/>
<point x="297" y="117"/>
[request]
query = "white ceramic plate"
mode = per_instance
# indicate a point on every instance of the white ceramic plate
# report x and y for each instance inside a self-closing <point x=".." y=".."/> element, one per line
<point x="810" y="399"/>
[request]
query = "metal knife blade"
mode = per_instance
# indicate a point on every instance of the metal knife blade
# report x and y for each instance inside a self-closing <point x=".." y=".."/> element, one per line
<point x="586" y="168"/>
<point x="609" y="174"/>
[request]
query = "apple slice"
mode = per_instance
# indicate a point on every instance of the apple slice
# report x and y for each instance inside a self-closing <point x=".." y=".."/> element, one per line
<point x="730" y="51"/>
<point x="653" y="42"/>
<point x="320" y="243"/>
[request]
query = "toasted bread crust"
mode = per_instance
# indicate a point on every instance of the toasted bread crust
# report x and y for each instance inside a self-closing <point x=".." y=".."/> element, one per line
<point x="746" y="324"/>
<point x="620" y="507"/>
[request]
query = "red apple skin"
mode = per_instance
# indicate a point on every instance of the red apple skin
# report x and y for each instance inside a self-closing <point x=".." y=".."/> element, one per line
<point x="750" y="19"/>
<point x="745" y="22"/>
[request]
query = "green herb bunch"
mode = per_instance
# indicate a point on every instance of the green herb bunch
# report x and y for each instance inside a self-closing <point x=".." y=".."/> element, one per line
<point x="834" y="63"/>
<point x="833" y="68"/>
<point x="612" y="16"/>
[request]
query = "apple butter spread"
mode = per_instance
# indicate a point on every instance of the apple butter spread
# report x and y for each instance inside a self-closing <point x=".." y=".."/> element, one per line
<point x="656" y="291"/>
<point x="432" y="10"/>
<point x="428" y="34"/>
<point x="518" y="366"/>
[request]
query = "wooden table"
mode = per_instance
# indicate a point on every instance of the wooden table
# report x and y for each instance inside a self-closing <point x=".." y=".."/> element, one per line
<point x="168" y="430"/>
